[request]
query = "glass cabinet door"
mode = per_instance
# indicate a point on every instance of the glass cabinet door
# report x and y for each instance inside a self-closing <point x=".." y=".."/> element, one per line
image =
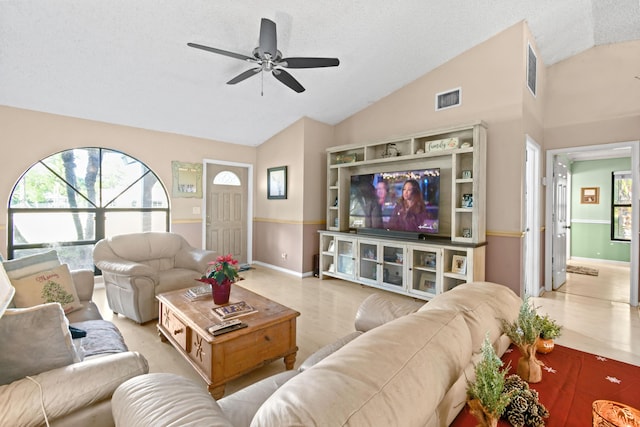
<point x="424" y="271"/>
<point x="393" y="265"/>
<point x="346" y="260"/>
<point x="368" y="256"/>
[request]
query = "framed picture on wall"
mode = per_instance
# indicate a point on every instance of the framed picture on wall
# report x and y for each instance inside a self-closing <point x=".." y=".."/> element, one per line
<point x="590" y="195"/>
<point x="277" y="183"/>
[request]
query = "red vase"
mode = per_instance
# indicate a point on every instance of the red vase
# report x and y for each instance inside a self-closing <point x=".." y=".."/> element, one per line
<point x="221" y="291"/>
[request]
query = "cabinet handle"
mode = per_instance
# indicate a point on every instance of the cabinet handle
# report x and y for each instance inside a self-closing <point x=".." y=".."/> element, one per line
<point x="178" y="331"/>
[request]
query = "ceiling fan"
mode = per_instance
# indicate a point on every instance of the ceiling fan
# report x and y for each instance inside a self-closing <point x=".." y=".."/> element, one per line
<point x="268" y="58"/>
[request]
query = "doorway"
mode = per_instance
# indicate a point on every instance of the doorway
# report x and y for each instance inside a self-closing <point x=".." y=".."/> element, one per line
<point x="531" y="267"/>
<point x="228" y="209"/>
<point x="555" y="242"/>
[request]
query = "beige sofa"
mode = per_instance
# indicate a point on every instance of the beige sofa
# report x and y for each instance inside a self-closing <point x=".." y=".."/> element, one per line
<point x="77" y="390"/>
<point x="409" y="371"/>
<point x="138" y="266"/>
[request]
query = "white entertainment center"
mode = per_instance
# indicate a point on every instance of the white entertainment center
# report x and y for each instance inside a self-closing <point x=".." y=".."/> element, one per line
<point x="421" y="265"/>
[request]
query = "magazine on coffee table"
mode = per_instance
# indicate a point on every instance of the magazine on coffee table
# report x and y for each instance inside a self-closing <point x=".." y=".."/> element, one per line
<point x="230" y="311"/>
<point x="198" y="293"/>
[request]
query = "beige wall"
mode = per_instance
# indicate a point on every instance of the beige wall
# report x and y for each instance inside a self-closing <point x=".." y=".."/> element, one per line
<point x="591" y="98"/>
<point x="29" y="136"/>
<point x="290" y="226"/>
<point x="492" y="78"/>
<point x="594" y="97"/>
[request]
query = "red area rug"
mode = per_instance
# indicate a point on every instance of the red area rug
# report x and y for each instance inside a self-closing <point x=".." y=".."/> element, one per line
<point x="571" y="381"/>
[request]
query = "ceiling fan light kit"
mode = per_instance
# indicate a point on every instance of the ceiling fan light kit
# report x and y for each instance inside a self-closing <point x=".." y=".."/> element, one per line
<point x="268" y="58"/>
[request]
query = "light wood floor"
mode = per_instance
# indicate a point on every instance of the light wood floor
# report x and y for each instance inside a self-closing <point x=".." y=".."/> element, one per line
<point x="328" y="309"/>
<point x="611" y="283"/>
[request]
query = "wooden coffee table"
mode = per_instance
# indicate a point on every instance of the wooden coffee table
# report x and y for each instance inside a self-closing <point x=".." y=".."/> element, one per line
<point x="271" y="334"/>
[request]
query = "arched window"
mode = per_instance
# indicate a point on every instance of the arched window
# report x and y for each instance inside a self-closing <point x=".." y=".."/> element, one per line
<point x="74" y="198"/>
<point x="226" y="178"/>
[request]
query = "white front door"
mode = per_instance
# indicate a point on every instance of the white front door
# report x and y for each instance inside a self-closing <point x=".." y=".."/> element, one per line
<point x="226" y="210"/>
<point x="560" y="222"/>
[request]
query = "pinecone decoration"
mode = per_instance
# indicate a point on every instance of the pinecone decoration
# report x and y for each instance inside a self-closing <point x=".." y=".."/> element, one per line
<point x="524" y="410"/>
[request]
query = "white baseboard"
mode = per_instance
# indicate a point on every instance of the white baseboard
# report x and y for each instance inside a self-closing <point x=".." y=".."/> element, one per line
<point x="284" y="270"/>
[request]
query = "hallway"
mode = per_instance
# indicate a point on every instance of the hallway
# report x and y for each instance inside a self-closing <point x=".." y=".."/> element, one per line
<point x="611" y="283"/>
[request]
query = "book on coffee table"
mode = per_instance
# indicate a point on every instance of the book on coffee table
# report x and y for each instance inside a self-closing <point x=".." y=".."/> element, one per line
<point x="198" y="293"/>
<point x="230" y="311"/>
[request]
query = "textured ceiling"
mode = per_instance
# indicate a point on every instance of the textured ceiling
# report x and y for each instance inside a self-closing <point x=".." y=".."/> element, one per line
<point x="127" y="62"/>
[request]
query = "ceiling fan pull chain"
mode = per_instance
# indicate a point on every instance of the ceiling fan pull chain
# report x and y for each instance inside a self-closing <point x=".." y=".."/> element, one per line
<point x="261" y="84"/>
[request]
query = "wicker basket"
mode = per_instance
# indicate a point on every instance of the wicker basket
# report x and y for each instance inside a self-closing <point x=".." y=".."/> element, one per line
<point x="607" y="413"/>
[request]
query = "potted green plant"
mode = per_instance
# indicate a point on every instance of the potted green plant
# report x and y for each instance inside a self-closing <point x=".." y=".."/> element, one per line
<point x="486" y="395"/>
<point x="524" y="332"/>
<point x="549" y="331"/>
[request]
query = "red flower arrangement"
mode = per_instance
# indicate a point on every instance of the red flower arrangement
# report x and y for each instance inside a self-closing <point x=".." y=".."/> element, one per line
<point x="223" y="269"/>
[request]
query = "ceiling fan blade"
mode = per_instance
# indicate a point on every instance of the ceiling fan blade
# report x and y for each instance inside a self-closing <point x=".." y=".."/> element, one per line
<point x="222" y="52"/>
<point x="309" y="62"/>
<point x="243" y="76"/>
<point x="288" y="80"/>
<point x="268" y="39"/>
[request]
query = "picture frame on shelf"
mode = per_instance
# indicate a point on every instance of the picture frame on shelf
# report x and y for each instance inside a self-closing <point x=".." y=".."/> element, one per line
<point x="277" y="183"/>
<point x="459" y="264"/>
<point x="331" y="246"/>
<point x="426" y="284"/>
<point x="467" y="200"/>
<point x="430" y="260"/>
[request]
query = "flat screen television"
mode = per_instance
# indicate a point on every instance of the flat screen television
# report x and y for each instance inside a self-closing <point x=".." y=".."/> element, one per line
<point x="405" y="201"/>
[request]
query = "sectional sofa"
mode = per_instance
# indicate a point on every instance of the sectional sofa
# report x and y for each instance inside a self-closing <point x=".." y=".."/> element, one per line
<point x="403" y="366"/>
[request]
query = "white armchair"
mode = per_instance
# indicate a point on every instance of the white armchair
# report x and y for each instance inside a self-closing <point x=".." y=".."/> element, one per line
<point x="138" y="266"/>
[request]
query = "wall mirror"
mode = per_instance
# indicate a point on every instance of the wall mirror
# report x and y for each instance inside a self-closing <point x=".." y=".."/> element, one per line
<point x="187" y="179"/>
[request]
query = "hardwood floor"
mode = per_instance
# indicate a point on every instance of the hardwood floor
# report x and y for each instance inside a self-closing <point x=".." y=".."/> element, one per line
<point x="328" y="309"/>
<point x="611" y="283"/>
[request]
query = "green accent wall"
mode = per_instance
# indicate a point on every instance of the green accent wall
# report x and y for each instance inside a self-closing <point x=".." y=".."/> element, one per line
<point x="591" y="223"/>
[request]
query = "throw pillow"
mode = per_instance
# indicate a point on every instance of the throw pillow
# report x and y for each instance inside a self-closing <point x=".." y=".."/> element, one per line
<point x="34" y="340"/>
<point x="54" y="285"/>
<point x="30" y="264"/>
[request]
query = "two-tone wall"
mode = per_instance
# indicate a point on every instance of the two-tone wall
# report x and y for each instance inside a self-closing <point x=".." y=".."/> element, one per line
<point x="591" y="223"/>
<point x="285" y="231"/>
<point x="591" y="98"/>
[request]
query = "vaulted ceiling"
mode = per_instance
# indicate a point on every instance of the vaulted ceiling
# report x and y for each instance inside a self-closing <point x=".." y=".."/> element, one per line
<point x="127" y="62"/>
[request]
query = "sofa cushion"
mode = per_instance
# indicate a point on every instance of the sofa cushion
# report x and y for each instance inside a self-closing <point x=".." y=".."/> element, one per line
<point x="483" y="305"/>
<point x="328" y="349"/>
<point x="54" y="285"/>
<point x="34" y="340"/>
<point x="30" y="264"/>
<point x="144" y="247"/>
<point x="378" y="376"/>
<point x="241" y="406"/>
<point x="134" y="403"/>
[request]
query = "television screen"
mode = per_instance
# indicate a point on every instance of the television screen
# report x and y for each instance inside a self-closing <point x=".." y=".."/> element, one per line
<point x="401" y="201"/>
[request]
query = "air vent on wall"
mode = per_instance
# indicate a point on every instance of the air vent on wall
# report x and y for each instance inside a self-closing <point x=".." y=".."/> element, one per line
<point x="532" y="63"/>
<point x="448" y="99"/>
